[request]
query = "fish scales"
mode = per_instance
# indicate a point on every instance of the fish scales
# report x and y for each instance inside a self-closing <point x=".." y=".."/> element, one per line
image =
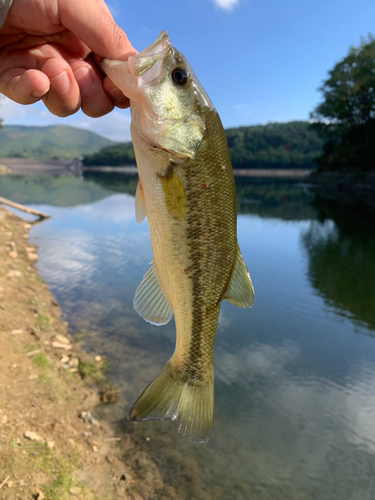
<point x="211" y="244"/>
<point x="186" y="189"/>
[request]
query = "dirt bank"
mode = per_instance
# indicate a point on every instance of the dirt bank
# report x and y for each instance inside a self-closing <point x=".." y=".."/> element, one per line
<point x="49" y="448"/>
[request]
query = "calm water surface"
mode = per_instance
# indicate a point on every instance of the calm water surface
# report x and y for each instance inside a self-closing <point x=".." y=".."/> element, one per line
<point x="295" y="375"/>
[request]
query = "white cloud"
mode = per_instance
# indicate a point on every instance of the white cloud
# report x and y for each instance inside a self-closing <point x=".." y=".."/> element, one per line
<point x="316" y="401"/>
<point x="259" y="359"/>
<point x="226" y="4"/>
<point x="119" y="207"/>
<point x="115" y="125"/>
<point x="10" y="111"/>
<point x="68" y="258"/>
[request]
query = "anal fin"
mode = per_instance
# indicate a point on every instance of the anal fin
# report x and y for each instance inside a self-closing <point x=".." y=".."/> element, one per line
<point x="240" y="291"/>
<point x="150" y="301"/>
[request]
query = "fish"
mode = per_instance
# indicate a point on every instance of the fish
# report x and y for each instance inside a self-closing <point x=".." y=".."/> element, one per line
<point x="186" y="190"/>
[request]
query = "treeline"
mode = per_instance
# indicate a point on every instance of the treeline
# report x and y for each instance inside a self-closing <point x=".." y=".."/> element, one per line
<point x="345" y="119"/>
<point x="275" y="145"/>
<point x="116" y="155"/>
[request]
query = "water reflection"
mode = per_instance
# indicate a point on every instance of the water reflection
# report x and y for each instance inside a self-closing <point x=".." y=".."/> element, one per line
<point x="295" y="405"/>
<point x="65" y="191"/>
<point x="341" y="255"/>
<point x="267" y="198"/>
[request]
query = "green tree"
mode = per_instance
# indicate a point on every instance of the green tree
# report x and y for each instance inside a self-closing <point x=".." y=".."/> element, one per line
<point x="346" y="117"/>
<point x="275" y="145"/>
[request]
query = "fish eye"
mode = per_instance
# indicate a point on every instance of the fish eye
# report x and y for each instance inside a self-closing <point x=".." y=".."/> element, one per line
<point x="179" y="76"/>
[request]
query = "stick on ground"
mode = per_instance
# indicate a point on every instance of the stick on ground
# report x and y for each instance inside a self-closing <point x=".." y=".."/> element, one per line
<point x="28" y="210"/>
<point x="5" y="480"/>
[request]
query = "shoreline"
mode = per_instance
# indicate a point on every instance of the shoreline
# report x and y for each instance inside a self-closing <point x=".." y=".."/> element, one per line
<point x="51" y="445"/>
<point x="24" y="166"/>
<point x="260" y="173"/>
<point x="342" y="181"/>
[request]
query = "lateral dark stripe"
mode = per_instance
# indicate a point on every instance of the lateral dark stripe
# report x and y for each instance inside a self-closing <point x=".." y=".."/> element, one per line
<point x="194" y="235"/>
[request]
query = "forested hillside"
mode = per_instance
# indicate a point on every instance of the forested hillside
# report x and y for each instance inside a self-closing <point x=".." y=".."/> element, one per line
<point x="275" y="145"/>
<point x="56" y="141"/>
<point x="121" y="153"/>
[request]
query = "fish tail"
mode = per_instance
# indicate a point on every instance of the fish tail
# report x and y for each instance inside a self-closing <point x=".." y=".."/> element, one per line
<point x="173" y="395"/>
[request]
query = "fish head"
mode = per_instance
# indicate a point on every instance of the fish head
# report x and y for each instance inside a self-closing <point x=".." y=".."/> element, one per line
<point x="168" y="103"/>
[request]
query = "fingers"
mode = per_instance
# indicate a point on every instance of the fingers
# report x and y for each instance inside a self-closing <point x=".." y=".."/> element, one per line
<point x="117" y="97"/>
<point x="94" y="25"/>
<point x="94" y="100"/>
<point x="64" y="97"/>
<point x="24" y="86"/>
<point x="63" y="88"/>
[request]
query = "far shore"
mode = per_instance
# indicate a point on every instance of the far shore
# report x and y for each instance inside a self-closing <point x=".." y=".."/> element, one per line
<point x="26" y="166"/>
<point x="286" y="173"/>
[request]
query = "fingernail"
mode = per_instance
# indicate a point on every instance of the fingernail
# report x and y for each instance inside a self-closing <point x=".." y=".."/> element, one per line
<point x="116" y="93"/>
<point x="61" y="83"/>
<point x="83" y="77"/>
<point x="37" y="94"/>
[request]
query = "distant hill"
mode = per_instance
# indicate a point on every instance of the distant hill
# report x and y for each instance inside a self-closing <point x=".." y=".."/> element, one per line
<point x="121" y="153"/>
<point x="57" y="141"/>
<point x="275" y="145"/>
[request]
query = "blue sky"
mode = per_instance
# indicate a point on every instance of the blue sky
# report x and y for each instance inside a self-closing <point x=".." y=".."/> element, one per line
<point x="259" y="60"/>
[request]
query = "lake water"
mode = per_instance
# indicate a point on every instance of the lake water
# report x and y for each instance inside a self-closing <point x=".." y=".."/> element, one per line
<point x="294" y="375"/>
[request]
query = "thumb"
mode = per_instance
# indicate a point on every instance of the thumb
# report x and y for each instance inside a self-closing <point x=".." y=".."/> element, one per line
<point x="92" y="22"/>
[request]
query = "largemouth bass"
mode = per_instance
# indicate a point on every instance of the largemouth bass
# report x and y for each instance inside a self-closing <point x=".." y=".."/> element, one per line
<point x="186" y="189"/>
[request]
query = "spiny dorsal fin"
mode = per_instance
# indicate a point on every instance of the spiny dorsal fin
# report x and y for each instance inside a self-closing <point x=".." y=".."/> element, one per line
<point x="174" y="194"/>
<point x="139" y="204"/>
<point x="240" y="290"/>
<point x="150" y="301"/>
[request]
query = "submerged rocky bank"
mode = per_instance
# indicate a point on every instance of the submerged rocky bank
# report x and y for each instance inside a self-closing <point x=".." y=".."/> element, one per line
<point x="51" y="445"/>
<point x="343" y="181"/>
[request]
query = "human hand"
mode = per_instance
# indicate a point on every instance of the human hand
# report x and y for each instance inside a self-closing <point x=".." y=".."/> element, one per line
<point x="46" y="53"/>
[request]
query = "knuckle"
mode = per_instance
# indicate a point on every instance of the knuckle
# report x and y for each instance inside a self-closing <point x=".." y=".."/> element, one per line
<point x="97" y="112"/>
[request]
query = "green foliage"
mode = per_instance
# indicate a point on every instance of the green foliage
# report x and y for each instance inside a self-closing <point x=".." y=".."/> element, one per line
<point x="341" y="264"/>
<point x="118" y="154"/>
<point x="274" y="199"/>
<point x="91" y="369"/>
<point x="346" y="117"/>
<point x="40" y="361"/>
<point x="49" y="142"/>
<point x="115" y="182"/>
<point x="275" y="145"/>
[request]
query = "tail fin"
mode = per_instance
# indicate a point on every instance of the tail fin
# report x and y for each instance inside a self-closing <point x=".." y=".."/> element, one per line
<point x="171" y="396"/>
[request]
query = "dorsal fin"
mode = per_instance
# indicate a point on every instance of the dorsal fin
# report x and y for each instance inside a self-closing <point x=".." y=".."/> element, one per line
<point x="150" y="301"/>
<point x="139" y="204"/>
<point x="240" y="290"/>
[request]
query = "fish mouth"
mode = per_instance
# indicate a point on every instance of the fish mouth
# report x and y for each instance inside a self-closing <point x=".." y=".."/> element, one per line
<point x="145" y="60"/>
<point x="140" y="63"/>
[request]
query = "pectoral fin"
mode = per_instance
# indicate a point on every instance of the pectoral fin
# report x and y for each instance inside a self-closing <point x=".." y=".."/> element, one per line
<point x="240" y="290"/>
<point x="174" y="194"/>
<point x="150" y="301"/>
<point x="139" y="204"/>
